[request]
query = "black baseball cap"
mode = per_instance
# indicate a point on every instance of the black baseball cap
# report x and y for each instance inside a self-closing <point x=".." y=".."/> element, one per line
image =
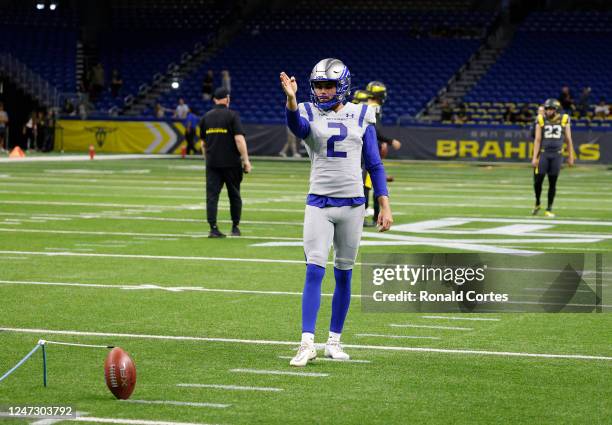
<point x="221" y="93"/>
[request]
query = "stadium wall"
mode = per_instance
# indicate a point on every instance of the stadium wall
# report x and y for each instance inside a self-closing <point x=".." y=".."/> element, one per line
<point x="465" y="143"/>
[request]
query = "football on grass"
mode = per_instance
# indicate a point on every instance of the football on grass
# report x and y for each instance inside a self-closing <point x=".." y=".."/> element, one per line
<point x="120" y="373"/>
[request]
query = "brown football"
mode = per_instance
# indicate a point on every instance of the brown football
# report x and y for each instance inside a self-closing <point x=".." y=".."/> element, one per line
<point x="120" y="373"/>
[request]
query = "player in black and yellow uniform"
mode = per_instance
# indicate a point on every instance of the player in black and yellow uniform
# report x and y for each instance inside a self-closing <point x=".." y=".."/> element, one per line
<point x="552" y="129"/>
<point x="377" y="96"/>
<point x="362" y="96"/>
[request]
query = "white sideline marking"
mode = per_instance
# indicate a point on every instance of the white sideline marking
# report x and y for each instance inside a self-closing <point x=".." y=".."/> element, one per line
<point x="452" y="328"/>
<point x="145" y="286"/>
<point x="477" y="245"/>
<point x="398" y="336"/>
<point x="488" y="206"/>
<point x="116" y="216"/>
<point x="294" y="343"/>
<point x="127" y="421"/>
<point x="514" y="229"/>
<point x="178" y="403"/>
<point x="85" y="158"/>
<point x="491" y="319"/>
<point x="153" y="257"/>
<point x="53" y="421"/>
<point x="230" y="387"/>
<point x="534" y="221"/>
<point x="424" y="226"/>
<point x="140" y="238"/>
<point x="169" y="235"/>
<point x="328" y="359"/>
<point x="280" y="372"/>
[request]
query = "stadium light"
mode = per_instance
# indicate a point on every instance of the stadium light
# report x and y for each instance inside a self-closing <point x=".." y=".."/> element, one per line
<point x="40" y="6"/>
<point x="175" y="85"/>
<point x="53" y="6"/>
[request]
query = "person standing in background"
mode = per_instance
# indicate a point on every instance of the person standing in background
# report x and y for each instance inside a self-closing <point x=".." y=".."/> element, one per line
<point x="191" y="124"/>
<point x="29" y="131"/>
<point x="41" y="131"/>
<point x="182" y="109"/>
<point x="207" y="85"/>
<point x="226" y="80"/>
<point x="226" y="159"/>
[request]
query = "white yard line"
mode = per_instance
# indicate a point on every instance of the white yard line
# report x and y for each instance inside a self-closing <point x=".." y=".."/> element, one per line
<point x="536" y="221"/>
<point x="94" y="419"/>
<point x="161" y="235"/>
<point x="152" y="257"/>
<point x="84" y="158"/>
<point x="116" y="215"/>
<point x="280" y="372"/>
<point x="489" y="206"/>
<point x="41" y="332"/>
<point x="231" y="387"/>
<point x="450" y="328"/>
<point x="178" y="403"/>
<point x="396" y="336"/>
<point x="490" y="319"/>
<point x="150" y="286"/>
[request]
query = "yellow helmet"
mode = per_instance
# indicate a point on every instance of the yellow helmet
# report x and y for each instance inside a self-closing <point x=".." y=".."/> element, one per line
<point x="361" y="96"/>
<point x="378" y="90"/>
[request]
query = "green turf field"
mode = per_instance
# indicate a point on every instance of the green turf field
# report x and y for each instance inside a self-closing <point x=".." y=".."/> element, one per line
<point x="115" y="252"/>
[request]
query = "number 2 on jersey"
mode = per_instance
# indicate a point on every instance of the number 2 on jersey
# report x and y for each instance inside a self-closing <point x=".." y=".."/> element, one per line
<point x="336" y="138"/>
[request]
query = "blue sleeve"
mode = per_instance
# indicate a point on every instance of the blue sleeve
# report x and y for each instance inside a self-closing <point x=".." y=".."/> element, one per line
<point x="373" y="163"/>
<point x="297" y="124"/>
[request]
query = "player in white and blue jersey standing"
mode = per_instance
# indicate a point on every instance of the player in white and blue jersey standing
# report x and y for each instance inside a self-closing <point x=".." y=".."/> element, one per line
<point x="337" y="136"/>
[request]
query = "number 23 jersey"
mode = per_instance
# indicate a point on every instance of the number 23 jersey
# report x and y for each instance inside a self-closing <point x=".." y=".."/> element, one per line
<point x="334" y="145"/>
<point x="553" y="132"/>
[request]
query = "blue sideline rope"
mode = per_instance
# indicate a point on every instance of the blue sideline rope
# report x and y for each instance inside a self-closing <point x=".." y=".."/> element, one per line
<point x="22" y="361"/>
<point x="41" y="345"/>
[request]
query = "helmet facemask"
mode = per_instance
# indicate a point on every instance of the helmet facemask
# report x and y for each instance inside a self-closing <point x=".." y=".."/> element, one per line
<point x="330" y="70"/>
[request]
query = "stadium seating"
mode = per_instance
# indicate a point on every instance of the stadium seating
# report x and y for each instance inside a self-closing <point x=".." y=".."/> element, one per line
<point x="145" y="37"/>
<point x="45" y="41"/>
<point x="549" y="50"/>
<point x="394" y="46"/>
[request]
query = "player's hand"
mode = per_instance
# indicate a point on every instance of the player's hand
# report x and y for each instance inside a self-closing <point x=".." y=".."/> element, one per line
<point x="385" y="219"/>
<point x="247" y="167"/>
<point x="534" y="162"/>
<point x="289" y="85"/>
<point x="570" y="160"/>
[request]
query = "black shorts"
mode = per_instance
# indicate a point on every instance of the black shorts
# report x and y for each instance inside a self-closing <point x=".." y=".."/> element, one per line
<point x="550" y="163"/>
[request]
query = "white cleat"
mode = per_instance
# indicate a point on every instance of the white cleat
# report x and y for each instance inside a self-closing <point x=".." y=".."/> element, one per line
<point x="305" y="353"/>
<point x="334" y="350"/>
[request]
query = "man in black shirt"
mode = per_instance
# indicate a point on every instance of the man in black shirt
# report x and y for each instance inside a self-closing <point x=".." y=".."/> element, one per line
<point x="226" y="159"/>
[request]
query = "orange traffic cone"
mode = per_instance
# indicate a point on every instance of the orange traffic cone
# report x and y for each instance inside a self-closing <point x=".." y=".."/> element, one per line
<point x="183" y="151"/>
<point x="17" y="153"/>
<point x="92" y="151"/>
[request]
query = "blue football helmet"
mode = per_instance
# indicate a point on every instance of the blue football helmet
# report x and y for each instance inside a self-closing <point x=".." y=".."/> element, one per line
<point x="331" y="69"/>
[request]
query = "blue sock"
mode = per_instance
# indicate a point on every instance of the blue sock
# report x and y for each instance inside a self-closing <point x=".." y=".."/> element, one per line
<point x="341" y="299"/>
<point x="311" y="298"/>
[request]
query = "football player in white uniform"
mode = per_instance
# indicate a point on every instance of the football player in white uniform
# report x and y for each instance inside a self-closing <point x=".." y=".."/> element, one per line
<point x="337" y="137"/>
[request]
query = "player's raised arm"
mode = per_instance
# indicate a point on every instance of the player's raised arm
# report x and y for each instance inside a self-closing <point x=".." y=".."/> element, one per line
<point x="570" y="145"/>
<point x="297" y="124"/>
<point x="289" y="86"/>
